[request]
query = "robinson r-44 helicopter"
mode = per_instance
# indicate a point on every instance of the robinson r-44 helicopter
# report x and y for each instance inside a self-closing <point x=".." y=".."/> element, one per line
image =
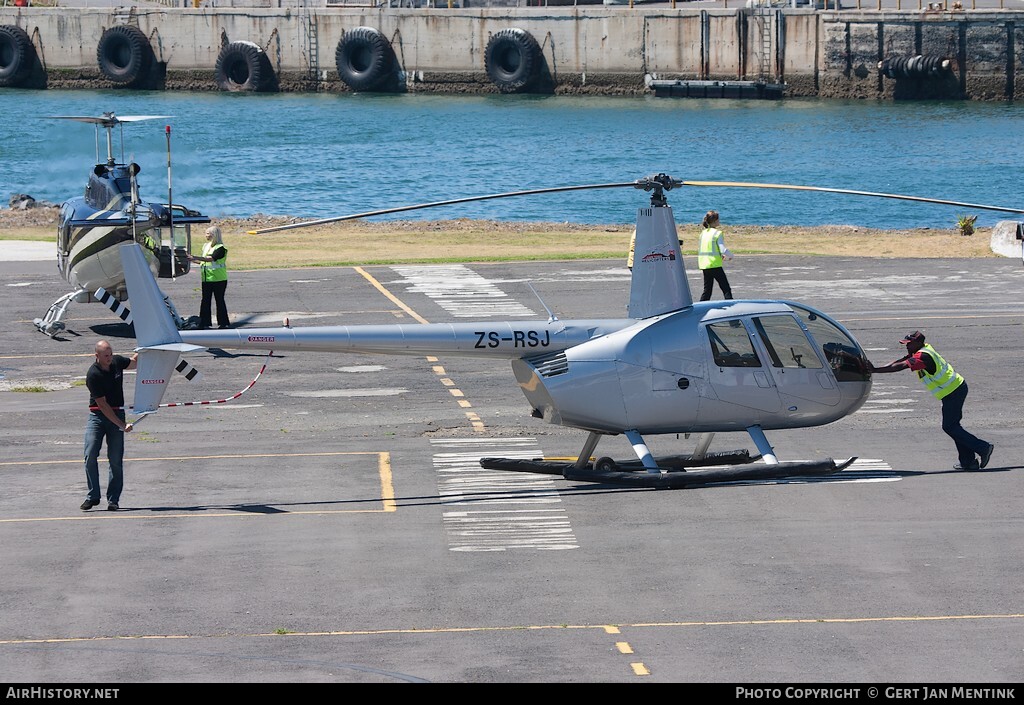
<point x="674" y="366"/>
<point x="110" y="212"/>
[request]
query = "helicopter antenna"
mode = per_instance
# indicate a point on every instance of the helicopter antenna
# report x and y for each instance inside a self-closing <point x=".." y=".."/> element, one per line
<point x="110" y="131"/>
<point x="551" y="316"/>
<point x="170" y="207"/>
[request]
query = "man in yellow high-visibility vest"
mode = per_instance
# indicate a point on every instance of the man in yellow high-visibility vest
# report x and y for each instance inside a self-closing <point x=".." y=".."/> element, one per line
<point x="942" y="380"/>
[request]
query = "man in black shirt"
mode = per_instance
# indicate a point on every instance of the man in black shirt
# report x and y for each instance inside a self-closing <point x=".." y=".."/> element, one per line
<point x="105" y="381"/>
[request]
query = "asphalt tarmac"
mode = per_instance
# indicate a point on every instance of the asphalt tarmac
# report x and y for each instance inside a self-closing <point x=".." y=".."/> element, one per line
<point x="332" y="524"/>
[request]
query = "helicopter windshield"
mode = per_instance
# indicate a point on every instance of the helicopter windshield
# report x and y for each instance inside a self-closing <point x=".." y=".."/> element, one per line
<point x="847" y="360"/>
<point x="786" y="342"/>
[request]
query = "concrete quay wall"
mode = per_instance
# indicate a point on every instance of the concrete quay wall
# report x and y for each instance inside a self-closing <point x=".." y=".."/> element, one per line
<point x="584" y="49"/>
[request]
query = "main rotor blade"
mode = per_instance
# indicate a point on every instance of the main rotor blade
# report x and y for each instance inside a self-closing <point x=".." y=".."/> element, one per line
<point x="743" y="184"/>
<point x="385" y="211"/>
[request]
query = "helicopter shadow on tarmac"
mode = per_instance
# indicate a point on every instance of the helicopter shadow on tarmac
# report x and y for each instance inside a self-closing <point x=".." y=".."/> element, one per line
<point x="582" y="490"/>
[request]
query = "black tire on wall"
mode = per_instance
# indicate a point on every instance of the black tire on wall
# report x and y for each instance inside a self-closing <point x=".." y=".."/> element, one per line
<point x="17" y="56"/>
<point x="124" y="55"/>
<point x="243" y="66"/>
<point x="513" y="60"/>
<point x="365" y="59"/>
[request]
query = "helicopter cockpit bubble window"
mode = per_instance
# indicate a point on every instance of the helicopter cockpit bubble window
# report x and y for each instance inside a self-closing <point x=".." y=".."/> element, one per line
<point x="844" y="356"/>
<point x="731" y="346"/>
<point x="786" y="342"/>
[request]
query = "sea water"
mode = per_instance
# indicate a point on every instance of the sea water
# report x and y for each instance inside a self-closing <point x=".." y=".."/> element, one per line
<point x="328" y="155"/>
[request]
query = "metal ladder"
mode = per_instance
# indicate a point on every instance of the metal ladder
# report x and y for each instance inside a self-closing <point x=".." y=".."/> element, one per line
<point x="312" y="37"/>
<point x="764" y="19"/>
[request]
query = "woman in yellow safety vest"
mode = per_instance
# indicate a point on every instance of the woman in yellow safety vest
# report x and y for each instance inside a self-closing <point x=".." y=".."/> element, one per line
<point x="942" y="380"/>
<point x="710" y="252"/>
<point x="214" y="271"/>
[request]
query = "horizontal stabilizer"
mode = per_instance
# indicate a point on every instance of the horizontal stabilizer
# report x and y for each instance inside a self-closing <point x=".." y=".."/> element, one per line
<point x="177" y="347"/>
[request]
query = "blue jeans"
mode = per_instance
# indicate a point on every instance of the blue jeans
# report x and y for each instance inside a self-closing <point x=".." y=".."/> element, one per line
<point x="97" y="428"/>
<point x="968" y="446"/>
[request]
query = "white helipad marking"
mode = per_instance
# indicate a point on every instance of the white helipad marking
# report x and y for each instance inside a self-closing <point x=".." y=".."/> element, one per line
<point x="498" y="510"/>
<point x="361" y="368"/>
<point x="349" y="393"/>
<point x="461" y="291"/>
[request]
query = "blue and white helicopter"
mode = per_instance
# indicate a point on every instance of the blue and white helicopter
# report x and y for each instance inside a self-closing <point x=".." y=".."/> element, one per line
<point x="110" y="212"/>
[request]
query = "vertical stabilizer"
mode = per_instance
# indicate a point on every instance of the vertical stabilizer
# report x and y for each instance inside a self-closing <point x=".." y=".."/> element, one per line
<point x="659" y="279"/>
<point x="152" y="320"/>
<point x="157" y="340"/>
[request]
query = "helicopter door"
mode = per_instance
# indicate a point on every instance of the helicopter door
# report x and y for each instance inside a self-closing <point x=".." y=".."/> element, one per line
<point x="735" y="370"/>
<point x="794" y="362"/>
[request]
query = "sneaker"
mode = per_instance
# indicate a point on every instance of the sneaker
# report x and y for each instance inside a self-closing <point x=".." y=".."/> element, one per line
<point x="972" y="466"/>
<point x="89" y="504"/>
<point x="987" y="455"/>
<point x="111" y="506"/>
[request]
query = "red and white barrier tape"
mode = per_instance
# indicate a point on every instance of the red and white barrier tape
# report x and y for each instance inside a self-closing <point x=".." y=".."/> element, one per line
<point x="199" y="403"/>
<point x="222" y="401"/>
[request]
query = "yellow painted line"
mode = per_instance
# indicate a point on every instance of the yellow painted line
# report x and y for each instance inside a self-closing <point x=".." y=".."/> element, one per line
<point x="515" y="628"/>
<point x="828" y="620"/>
<point x="464" y="404"/>
<point x="394" y="299"/>
<point x="200" y="457"/>
<point x="623" y="647"/>
<point x="611" y="629"/>
<point x="387" y="489"/>
<point x="639" y="669"/>
<point x="387" y="486"/>
<point x="57" y="356"/>
<point x="478" y="426"/>
<point x="123" y="515"/>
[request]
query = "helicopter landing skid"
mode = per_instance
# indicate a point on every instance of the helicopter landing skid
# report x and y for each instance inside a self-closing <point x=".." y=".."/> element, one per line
<point x="669" y="478"/>
<point x="52" y="323"/>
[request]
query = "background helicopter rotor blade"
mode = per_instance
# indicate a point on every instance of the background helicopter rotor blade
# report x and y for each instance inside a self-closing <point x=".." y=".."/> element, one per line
<point x="108" y="120"/>
<point x="743" y="184"/>
<point x="469" y="199"/>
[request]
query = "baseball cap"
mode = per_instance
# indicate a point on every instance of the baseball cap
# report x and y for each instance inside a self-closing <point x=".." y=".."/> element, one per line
<point x="916" y="336"/>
